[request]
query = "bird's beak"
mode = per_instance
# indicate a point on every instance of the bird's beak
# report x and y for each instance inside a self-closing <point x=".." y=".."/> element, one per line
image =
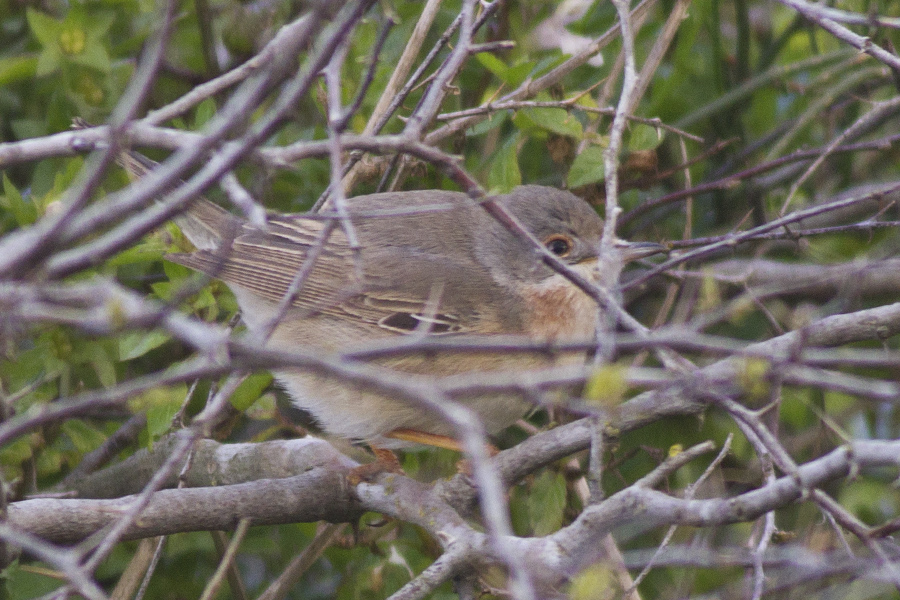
<point x="635" y="250"/>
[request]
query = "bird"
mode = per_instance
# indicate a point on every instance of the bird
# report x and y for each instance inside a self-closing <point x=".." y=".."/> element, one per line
<point x="428" y="262"/>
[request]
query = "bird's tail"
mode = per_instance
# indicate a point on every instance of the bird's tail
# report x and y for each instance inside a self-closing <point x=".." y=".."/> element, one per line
<point x="203" y="223"/>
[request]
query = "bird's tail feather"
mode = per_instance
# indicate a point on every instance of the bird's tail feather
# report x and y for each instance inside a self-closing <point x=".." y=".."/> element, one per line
<point x="202" y="223"/>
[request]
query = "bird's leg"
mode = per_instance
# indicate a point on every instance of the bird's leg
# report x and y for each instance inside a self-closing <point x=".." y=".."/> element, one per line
<point x="387" y="458"/>
<point x="385" y="462"/>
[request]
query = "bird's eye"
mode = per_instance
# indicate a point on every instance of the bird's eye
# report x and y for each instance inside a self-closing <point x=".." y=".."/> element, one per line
<point x="560" y="245"/>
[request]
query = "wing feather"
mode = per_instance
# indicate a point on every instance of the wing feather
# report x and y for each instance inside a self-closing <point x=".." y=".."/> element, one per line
<point x="438" y="289"/>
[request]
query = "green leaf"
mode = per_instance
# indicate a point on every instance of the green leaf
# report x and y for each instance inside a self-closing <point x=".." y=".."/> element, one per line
<point x="150" y="250"/>
<point x="138" y="343"/>
<point x="176" y="272"/>
<point x="587" y="167"/>
<point x="597" y="582"/>
<point x="250" y="390"/>
<point x="493" y="121"/>
<point x="205" y="111"/>
<point x="49" y="462"/>
<point x="63" y="178"/>
<point x="644" y="137"/>
<point x="516" y="74"/>
<point x="84" y="437"/>
<point x="547" y="503"/>
<point x="29" y="128"/>
<point x="504" y="174"/>
<point x="607" y="385"/>
<point x="95" y="56"/>
<point x="512" y="76"/>
<point x="869" y="500"/>
<point x="163" y="406"/>
<point x="492" y="64"/>
<point x="206" y="299"/>
<point x="16" y="452"/>
<point x="557" y="120"/>
<point x="98" y="24"/>
<point x="47" y="31"/>
<point x="23" y="212"/>
<point x="45" y="28"/>
<point x="99" y="358"/>
<point x="518" y="511"/>
<point x="17" y="68"/>
<point x="525" y="124"/>
<point x="49" y="61"/>
<point x="27" y="582"/>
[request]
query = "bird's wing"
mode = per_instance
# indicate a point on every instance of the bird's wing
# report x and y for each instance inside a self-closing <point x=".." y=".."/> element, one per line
<point x="265" y="263"/>
<point x="419" y="291"/>
<point x="401" y="289"/>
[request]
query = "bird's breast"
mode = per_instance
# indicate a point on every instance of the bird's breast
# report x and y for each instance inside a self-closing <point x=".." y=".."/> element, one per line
<point x="557" y="310"/>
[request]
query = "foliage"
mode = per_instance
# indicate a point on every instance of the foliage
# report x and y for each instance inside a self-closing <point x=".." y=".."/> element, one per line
<point x="743" y="89"/>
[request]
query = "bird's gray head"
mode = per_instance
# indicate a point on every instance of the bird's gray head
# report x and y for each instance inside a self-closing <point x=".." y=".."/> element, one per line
<point x="564" y="223"/>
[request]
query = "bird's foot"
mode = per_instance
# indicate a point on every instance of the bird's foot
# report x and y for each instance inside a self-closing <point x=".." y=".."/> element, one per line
<point x="385" y="462"/>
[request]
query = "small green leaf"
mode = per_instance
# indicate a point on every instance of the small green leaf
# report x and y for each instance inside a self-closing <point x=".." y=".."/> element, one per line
<point x="587" y="167"/>
<point x="871" y="501"/>
<point x="138" y="343"/>
<point x="644" y="137"/>
<point x="547" y="503"/>
<point x="710" y="293"/>
<point x="557" y="120"/>
<point x="95" y="56"/>
<point x="205" y="111"/>
<point x="753" y="378"/>
<point x="63" y="178"/>
<point x="72" y="39"/>
<point x="206" y="299"/>
<point x="606" y="386"/>
<point x="492" y="64"/>
<point x="163" y="406"/>
<point x="504" y="174"/>
<point x="23" y="212"/>
<point x="49" y="462"/>
<point x="597" y="582"/>
<point x="84" y="437"/>
<point x="176" y="272"/>
<point x="45" y="28"/>
<point x="250" y="390"/>
<point x="49" y="61"/>
<point x="516" y="74"/>
<point x="518" y="511"/>
<point x="264" y="408"/>
<point x="513" y="76"/>
<point x="16" y="452"/>
<point x="150" y="250"/>
<point x="524" y="124"/>
<point x="100" y="360"/>
<point x="493" y="121"/>
<point x="19" y="582"/>
<point x="98" y="24"/>
<point x="17" y="68"/>
<point x="47" y="31"/>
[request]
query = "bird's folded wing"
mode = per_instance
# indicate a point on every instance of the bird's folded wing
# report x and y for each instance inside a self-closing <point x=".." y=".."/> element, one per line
<point x="265" y="263"/>
<point x="342" y="283"/>
<point x="436" y="293"/>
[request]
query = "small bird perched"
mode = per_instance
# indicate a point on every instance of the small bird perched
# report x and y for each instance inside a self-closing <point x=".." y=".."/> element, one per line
<point x="430" y="262"/>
